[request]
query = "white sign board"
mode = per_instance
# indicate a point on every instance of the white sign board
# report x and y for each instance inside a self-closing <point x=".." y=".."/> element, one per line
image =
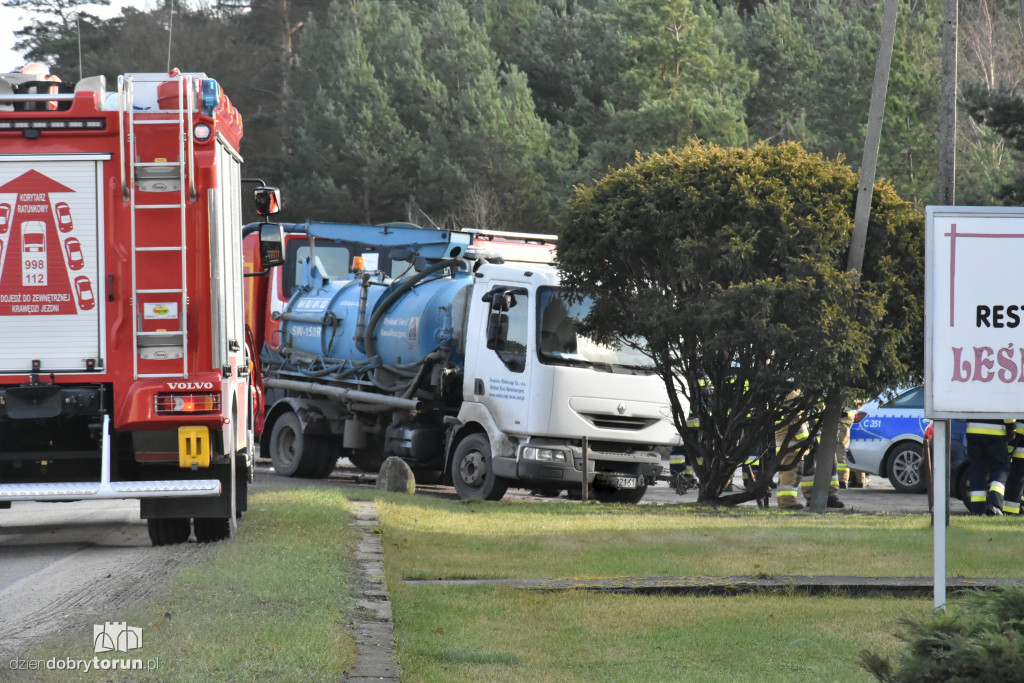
<point x="974" y="312"/>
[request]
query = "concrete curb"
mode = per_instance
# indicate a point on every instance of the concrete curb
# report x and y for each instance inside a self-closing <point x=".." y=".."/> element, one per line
<point x="911" y="586"/>
<point x="371" y="621"/>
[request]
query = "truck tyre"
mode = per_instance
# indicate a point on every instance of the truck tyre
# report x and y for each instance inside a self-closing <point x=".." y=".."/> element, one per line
<point x="293" y="454"/>
<point x="607" y="494"/>
<point x="472" y="471"/>
<point x="366" y="460"/>
<point x="286" y="445"/>
<point x="211" y="529"/>
<point x="327" y="464"/>
<point x="169" y="531"/>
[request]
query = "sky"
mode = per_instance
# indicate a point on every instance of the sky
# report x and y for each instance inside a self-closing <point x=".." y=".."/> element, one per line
<point x="11" y="20"/>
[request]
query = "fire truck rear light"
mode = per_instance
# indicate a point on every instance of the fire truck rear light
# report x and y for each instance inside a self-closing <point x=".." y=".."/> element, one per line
<point x="201" y="132"/>
<point x="187" y="404"/>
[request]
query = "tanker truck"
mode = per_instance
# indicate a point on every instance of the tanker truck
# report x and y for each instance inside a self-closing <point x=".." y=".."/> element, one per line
<point x="470" y="369"/>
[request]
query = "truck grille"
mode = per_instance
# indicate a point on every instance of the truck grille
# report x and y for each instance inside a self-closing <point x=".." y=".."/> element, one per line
<point x="615" y="447"/>
<point x="631" y="423"/>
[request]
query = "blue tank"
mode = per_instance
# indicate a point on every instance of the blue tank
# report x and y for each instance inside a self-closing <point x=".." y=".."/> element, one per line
<point x="325" y="321"/>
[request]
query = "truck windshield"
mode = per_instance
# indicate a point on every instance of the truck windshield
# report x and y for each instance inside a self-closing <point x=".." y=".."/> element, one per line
<point x="560" y="343"/>
<point x="334" y="259"/>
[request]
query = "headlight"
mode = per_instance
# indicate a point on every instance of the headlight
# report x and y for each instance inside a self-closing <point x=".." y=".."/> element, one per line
<point x="545" y="454"/>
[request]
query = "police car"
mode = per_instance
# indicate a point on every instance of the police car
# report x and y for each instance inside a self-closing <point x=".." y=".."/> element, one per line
<point x="887" y="440"/>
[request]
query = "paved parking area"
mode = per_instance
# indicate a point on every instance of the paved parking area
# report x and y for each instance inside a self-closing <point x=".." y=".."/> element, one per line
<point x="879" y="496"/>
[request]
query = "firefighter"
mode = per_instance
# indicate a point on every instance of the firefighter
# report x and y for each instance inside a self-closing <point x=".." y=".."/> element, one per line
<point x="789" y="468"/>
<point x="807" y="481"/>
<point x="988" y="463"/>
<point x="1015" y="479"/>
<point x="843" y="444"/>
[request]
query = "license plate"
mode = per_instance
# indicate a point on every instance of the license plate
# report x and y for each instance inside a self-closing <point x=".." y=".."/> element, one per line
<point x="622" y="482"/>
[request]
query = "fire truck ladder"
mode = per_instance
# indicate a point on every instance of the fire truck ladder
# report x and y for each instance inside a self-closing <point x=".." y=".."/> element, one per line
<point x="150" y="177"/>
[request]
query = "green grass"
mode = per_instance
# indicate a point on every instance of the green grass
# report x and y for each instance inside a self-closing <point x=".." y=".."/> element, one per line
<point x="461" y="633"/>
<point x="272" y="604"/>
<point x="481" y="634"/>
<point x="431" y="538"/>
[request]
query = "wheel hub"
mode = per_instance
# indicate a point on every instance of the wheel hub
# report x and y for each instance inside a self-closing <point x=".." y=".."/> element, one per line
<point x="473" y="469"/>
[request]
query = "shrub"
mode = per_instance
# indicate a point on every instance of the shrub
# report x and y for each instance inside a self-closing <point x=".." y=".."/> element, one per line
<point x="982" y="640"/>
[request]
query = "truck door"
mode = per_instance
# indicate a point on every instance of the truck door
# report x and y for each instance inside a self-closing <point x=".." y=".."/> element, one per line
<point x="501" y="374"/>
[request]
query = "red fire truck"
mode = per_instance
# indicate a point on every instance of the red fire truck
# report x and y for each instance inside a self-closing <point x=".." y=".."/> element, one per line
<point x="124" y="368"/>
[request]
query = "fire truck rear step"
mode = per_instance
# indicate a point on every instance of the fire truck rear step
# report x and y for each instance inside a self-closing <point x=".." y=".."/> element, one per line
<point x="110" y="490"/>
<point x="106" y="489"/>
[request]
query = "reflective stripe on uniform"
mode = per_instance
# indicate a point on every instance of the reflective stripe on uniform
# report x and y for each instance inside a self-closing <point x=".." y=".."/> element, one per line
<point x="1018" y="452"/>
<point x="1011" y="508"/>
<point x="997" y="487"/>
<point x="986" y="428"/>
<point x="979" y="496"/>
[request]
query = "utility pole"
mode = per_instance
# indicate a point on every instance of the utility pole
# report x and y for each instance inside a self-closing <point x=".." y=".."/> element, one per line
<point x="946" y="197"/>
<point x="947" y="106"/>
<point x="825" y="454"/>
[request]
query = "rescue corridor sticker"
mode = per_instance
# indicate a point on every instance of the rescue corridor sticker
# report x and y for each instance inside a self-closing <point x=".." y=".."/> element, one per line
<point x="974" y="312"/>
<point x="40" y="252"/>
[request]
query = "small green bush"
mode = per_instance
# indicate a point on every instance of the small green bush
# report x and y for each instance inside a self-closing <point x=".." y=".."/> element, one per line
<point x="983" y="640"/>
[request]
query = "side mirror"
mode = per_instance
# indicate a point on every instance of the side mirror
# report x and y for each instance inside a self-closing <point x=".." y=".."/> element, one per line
<point x="271" y="249"/>
<point x="268" y="200"/>
<point x="497" y="321"/>
<point x="271" y="245"/>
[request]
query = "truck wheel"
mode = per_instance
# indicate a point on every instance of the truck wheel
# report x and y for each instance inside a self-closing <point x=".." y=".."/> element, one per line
<point x="211" y="529"/>
<point x="472" y="471"/>
<point x="366" y="460"/>
<point x="327" y="464"/>
<point x="293" y="454"/>
<point x="286" y="445"/>
<point x="425" y="476"/>
<point x="606" y="494"/>
<point x="169" y="531"/>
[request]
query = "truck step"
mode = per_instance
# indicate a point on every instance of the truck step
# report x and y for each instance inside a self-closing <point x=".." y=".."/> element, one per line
<point x="94" y="490"/>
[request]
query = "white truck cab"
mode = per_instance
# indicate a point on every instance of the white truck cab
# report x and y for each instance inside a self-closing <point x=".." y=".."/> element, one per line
<point x="539" y="388"/>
